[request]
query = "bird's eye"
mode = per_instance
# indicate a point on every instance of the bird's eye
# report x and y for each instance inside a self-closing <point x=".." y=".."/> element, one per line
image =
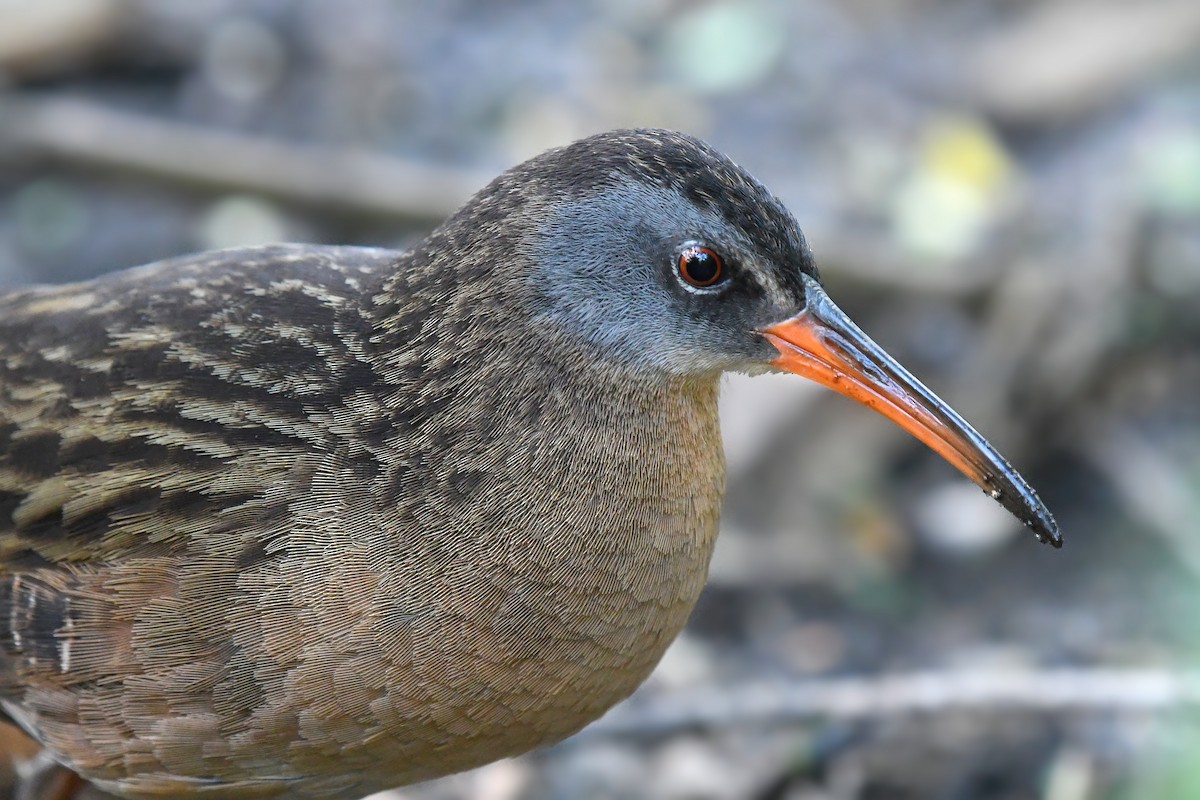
<point x="700" y="266"/>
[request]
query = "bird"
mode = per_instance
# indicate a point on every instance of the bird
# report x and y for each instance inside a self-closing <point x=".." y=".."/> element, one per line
<point x="303" y="521"/>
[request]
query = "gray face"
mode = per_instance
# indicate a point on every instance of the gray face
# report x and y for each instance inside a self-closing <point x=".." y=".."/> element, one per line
<point x="608" y="268"/>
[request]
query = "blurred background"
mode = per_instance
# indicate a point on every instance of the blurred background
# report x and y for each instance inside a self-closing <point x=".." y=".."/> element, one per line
<point x="1003" y="193"/>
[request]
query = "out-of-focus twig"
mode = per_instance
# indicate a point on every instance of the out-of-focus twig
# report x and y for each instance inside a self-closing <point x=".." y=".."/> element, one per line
<point x="1152" y="489"/>
<point x="1068" y="58"/>
<point x="849" y="256"/>
<point x="781" y="703"/>
<point x="36" y="37"/>
<point x="351" y="180"/>
<point x="1050" y="324"/>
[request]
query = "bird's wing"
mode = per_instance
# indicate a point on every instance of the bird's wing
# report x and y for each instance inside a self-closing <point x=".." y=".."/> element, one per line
<point x="155" y="427"/>
<point x="133" y="410"/>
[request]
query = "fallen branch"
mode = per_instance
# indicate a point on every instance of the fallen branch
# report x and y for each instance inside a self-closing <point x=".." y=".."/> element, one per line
<point x="767" y="704"/>
<point x="83" y="132"/>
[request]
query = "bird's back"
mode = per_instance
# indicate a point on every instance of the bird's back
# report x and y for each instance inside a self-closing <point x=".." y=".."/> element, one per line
<point x="143" y="391"/>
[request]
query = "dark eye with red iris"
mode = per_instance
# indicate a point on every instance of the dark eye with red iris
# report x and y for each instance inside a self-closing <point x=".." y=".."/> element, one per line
<point x="701" y="266"/>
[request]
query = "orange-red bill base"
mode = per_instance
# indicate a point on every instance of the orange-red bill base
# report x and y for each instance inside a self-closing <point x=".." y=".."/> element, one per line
<point x="821" y="343"/>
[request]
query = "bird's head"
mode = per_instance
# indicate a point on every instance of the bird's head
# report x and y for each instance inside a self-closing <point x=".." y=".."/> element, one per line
<point x="662" y="255"/>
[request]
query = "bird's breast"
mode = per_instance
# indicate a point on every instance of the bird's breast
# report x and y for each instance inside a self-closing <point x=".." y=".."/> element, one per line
<point x="552" y="587"/>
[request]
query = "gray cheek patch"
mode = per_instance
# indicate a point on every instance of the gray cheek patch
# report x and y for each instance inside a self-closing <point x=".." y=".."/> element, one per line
<point x="597" y="264"/>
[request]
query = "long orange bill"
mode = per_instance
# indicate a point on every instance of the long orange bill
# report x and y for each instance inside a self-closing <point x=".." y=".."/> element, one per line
<point x="823" y="344"/>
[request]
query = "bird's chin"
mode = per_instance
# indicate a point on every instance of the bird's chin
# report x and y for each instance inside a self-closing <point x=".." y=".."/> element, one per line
<point x="756" y="368"/>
